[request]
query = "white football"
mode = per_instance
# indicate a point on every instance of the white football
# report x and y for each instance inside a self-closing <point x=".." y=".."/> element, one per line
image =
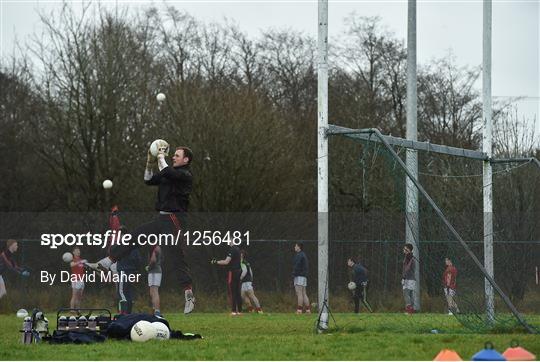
<point x="107" y="184"/>
<point x="154" y="147"/>
<point x="162" y="331"/>
<point x="142" y="331"/>
<point x="160" y="97"/>
<point x="67" y="257"/>
<point x="351" y="286"/>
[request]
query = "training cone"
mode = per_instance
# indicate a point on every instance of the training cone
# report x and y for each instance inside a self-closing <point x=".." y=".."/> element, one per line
<point x="517" y="353"/>
<point x="488" y="354"/>
<point x="447" y="355"/>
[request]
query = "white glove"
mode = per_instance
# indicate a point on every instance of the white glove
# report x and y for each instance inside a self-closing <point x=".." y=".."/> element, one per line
<point x="150" y="161"/>
<point x="161" y="161"/>
<point x="148" y="175"/>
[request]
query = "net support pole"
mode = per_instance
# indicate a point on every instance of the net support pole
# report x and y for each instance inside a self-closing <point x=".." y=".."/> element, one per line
<point x="411" y="192"/>
<point x="487" y="149"/>
<point x="322" y="163"/>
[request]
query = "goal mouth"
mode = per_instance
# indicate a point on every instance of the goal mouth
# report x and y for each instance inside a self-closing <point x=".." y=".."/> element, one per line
<point x="440" y="213"/>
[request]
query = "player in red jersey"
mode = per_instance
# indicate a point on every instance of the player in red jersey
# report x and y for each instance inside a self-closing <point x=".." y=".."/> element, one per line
<point x="449" y="284"/>
<point x="77" y="284"/>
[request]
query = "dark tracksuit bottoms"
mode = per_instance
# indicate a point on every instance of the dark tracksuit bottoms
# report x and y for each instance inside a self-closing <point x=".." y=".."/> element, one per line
<point x="127" y="266"/>
<point x="234" y="286"/>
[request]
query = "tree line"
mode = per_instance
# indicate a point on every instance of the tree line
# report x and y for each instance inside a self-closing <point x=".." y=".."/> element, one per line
<point x="78" y="106"/>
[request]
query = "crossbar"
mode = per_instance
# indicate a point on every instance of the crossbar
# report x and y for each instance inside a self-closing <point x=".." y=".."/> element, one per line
<point x="363" y="134"/>
<point x="517" y="160"/>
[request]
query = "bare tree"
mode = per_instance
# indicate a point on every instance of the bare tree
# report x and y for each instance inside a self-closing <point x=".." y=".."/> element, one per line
<point x="26" y="182"/>
<point x="516" y="206"/>
<point x="449" y="107"/>
<point x="180" y="37"/>
<point x="97" y="81"/>
<point x="288" y="58"/>
<point x="514" y="136"/>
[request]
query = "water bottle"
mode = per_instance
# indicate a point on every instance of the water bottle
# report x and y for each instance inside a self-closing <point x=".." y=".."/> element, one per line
<point x="92" y="323"/>
<point x="81" y="323"/>
<point x="63" y="323"/>
<point x="41" y="329"/>
<point x="72" y="323"/>
<point x="102" y="323"/>
<point x="27" y="331"/>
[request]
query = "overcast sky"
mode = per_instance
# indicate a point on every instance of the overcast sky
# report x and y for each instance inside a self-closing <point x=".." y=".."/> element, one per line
<point x="442" y="26"/>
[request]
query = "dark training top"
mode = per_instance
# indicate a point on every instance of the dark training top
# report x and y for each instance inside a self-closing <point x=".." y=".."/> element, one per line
<point x="359" y="274"/>
<point x="249" y="274"/>
<point x="234" y="254"/>
<point x="7" y="263"/>
<point x="175" y="184"/>
<point x="130" y="263"/>
<point x="300" y="262"/>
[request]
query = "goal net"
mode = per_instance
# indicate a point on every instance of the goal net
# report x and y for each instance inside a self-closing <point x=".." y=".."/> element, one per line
<point x="371" y="220"/>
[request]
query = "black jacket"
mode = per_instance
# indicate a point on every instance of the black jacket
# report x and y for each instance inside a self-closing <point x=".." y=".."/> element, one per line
<point x="249" y="274"/>
<point x="130" y="263"/>
<point x="7" y="263"/>
<point x="175" y="184"/>
<point x="300" y="268"/>
<point x="234" y="254"/>
<point x="359" y="274"/>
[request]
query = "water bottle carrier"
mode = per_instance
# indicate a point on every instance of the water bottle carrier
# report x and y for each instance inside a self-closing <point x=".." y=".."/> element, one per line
<point x="87" y="320"/>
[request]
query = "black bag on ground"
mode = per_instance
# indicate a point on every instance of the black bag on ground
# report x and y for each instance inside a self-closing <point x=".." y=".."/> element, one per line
<point x="63" y="337"/>
<point x="120" y="328"/>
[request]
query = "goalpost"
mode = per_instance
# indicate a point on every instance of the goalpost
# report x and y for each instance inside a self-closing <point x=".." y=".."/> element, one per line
<point x="322" y="157"/>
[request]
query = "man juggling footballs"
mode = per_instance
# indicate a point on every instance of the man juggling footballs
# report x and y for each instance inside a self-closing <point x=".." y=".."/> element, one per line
<point x="174" y="188"/>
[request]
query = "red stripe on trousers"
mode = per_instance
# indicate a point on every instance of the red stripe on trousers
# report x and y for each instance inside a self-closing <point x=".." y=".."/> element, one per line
<point x="178" y="226"/>
<point x="175" y="221"/>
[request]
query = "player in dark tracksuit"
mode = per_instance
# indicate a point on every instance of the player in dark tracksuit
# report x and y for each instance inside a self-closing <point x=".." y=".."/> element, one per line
<point x="174" y="187"/>
<point x="234" y="284"/>
<point x="128" y="265"/>
<point x="359" y="277"/>
<point x="300" y="273"/>
<point x="8" y="264"/>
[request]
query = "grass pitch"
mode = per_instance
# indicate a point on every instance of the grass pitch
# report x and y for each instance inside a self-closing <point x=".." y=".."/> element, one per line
<point x="279" y="336"/>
